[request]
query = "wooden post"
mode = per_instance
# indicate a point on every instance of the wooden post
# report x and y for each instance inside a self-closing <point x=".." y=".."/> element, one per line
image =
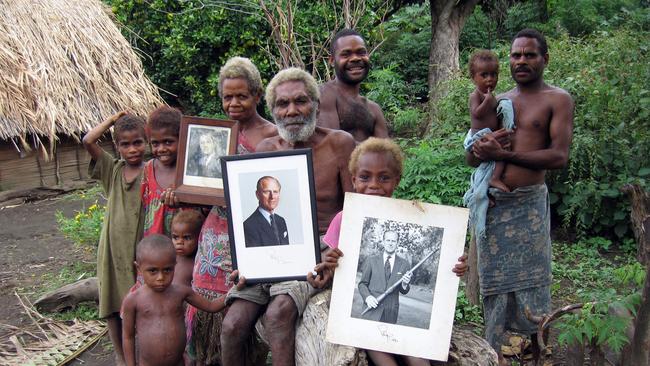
<point x="472" y="291"/>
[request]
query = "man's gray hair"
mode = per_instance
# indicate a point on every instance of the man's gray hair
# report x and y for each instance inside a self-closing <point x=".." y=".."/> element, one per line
<point x="241" y="68"/>
<point x="292" y="74"/>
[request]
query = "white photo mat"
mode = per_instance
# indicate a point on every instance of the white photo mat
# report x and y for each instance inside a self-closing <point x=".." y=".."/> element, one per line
<point x="280" y="261"/>
<point x="431" y="342"/>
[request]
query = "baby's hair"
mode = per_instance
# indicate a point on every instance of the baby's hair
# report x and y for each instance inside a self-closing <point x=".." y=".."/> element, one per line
<point x="377" y="145"/>
<point x="165" y="118"/>
<point x="128" y="122"/>
<point x="241" y="68"/>
<point x="481" y="55"/>
<point x="191" y="217"/>
<point x="153" y="243"/>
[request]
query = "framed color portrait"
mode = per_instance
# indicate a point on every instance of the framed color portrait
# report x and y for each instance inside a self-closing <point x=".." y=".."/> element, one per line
<point x="395" y="286"/>
<point x="202" y="142"/>
<point x="271" y="204"/>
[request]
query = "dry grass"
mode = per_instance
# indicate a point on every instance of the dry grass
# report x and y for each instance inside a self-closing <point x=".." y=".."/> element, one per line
<point x="65" y="67"/>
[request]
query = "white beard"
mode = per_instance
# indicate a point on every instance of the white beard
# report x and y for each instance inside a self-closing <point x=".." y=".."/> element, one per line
<point x="302" y="134"/>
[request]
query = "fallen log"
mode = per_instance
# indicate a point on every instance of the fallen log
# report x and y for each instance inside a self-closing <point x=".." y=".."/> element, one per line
<point x="466" y="348"/>
<point x="68" y="296"/>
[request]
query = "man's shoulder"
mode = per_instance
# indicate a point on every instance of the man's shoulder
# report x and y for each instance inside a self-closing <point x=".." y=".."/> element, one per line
<point x="339" y="137"/>
<point x="253" y="216"/>
<point x="272" y="143"/>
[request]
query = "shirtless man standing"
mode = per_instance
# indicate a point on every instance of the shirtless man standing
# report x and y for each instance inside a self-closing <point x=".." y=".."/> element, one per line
<point x="341" y="106"/>
<point x="514" y="258"/>
<point x="292" y="97"/>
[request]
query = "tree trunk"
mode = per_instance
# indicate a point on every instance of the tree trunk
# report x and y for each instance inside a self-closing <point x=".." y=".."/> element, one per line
<point x="447" y="20"/>
<point x="639" y="348"/>
<point x="472" y="291"/>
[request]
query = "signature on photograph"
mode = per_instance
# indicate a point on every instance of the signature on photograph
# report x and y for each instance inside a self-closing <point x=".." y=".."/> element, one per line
<point x="385" y="332"/>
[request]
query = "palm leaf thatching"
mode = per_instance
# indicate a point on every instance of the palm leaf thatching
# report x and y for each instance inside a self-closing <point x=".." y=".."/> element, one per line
<point x="64" y="67"/>
<point x="46" y="341"/>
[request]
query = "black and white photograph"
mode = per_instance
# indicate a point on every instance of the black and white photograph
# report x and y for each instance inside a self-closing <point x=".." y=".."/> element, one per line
<point x="271" y="202"/>
<point x="201" y="144"/>
<point x="205" y="146"/>
<point x="394" y="285"/>
<point x="396" y="272"/>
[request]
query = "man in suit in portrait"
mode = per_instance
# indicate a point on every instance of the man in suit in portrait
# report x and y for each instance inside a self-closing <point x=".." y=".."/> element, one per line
<point x="379" y="273"/>
<point x="264" y="227"/>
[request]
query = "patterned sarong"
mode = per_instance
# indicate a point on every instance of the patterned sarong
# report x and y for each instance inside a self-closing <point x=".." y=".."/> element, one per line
<point x="516" y="251"/>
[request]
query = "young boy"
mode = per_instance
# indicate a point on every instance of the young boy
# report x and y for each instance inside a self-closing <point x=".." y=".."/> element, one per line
<point x="156" y="308"/>
<point x="484" y="71"/>
<point x="376" y="168"/>
<point x="186" y="226"/>
<point x="122" y="229"/>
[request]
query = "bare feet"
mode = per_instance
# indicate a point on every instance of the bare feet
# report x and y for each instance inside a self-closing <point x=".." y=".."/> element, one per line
<point x="497" y="183"/>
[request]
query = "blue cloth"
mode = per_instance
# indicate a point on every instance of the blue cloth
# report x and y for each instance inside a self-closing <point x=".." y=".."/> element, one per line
<point x="476" y="198"/>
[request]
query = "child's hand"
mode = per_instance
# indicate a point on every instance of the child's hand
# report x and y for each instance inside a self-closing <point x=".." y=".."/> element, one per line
<point x="461" y="267"/>
<point x="169" y="198"/>
<point x="117" y="116"/>
<point x="241" y="280"/>
<point x="324" y="271"/>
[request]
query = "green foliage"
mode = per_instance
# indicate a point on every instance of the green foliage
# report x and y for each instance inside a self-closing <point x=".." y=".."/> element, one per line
<point x="582" y="17"/>
<point x="435" y="171"/>
<point x="85" y="227"/>
<point x="581" y="274"/>
<point x="596" y="325"/>
<point x="610" y="127"/>
<point x="466" y="312"/>
<point x="406" y="49"/>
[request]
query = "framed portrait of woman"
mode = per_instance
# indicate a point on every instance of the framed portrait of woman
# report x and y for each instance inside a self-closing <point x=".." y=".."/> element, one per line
<point x="202" y="143"/>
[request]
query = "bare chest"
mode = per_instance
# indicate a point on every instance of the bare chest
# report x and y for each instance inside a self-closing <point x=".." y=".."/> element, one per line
<point x="532" y="121"/>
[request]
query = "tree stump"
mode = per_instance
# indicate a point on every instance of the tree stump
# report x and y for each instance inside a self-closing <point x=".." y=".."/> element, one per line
<point x="466" y="349"/>
<point x="68" y="296"/>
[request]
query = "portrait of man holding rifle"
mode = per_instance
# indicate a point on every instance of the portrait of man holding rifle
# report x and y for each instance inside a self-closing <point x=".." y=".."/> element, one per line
<point x="384" y="277"/>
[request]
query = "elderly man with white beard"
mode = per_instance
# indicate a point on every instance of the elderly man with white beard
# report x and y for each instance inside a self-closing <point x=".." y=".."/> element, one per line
<point x="293" y="98"/>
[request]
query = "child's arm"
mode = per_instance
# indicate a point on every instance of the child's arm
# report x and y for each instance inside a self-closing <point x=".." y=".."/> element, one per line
<point x="200" y="302"/>
<point x="91" y="138"/>
<point x="128" y="329"/>
<point x="481" y="108"/>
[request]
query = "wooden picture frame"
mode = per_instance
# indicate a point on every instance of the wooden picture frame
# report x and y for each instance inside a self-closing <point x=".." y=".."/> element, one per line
<point x="282" y="247"/>
<point x="415" y="319"/>
<point x="198" y="172"/>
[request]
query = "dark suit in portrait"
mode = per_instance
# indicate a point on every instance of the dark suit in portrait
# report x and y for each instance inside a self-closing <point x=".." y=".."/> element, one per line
<point x="258" y="232"/>
<point x="373" y="282"/>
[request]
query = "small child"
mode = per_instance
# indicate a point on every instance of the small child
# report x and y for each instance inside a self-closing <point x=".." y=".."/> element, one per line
<point x="156" y="308"/>
<point x="484" y="71"/>
<point x="376" y="169"/>
<point x="122" y="228"/>
<point x="186" y="227"/>
<point x="158" y="198"/>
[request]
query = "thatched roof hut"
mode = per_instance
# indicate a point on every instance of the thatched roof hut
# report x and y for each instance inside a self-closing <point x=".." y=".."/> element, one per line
<point x="64" y="67"/>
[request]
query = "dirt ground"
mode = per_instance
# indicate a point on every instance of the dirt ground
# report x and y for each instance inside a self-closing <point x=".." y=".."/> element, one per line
<point x="31" y="246"/>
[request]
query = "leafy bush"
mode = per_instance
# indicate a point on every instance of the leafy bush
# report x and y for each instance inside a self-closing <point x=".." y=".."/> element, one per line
<point x="435" y="172"/>
<point x="85" y="227"/>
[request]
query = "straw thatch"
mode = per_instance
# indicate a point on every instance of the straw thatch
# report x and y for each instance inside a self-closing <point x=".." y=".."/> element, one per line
<point x="64" y="67"/>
